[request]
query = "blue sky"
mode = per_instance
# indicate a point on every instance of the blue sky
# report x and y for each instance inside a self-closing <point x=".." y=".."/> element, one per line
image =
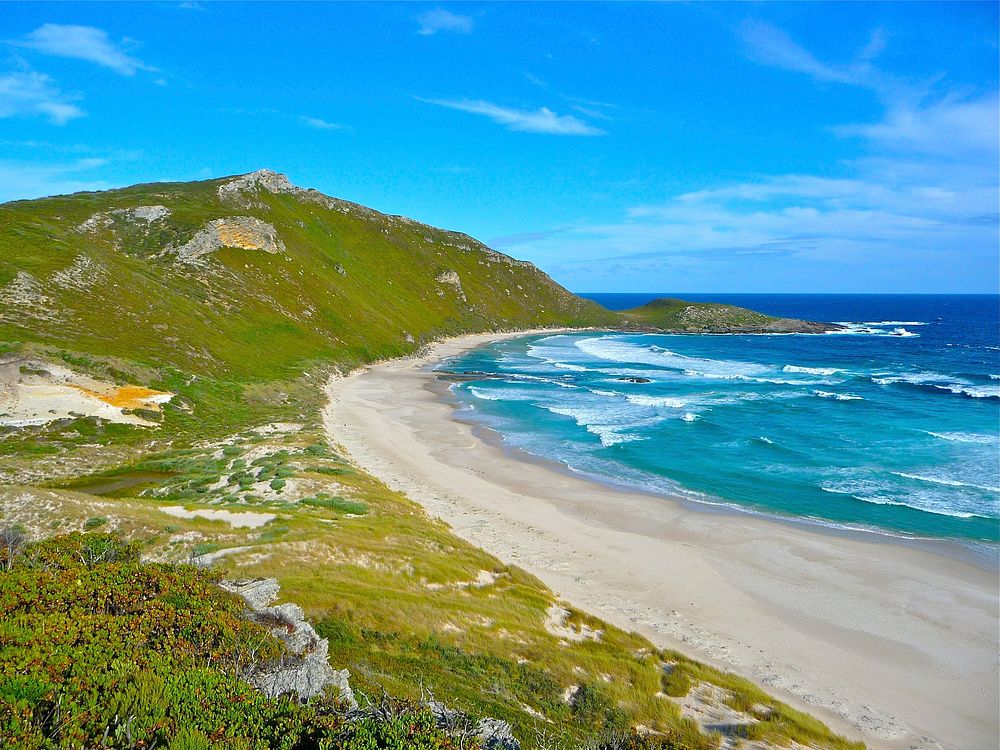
<point x="681" y="147"/>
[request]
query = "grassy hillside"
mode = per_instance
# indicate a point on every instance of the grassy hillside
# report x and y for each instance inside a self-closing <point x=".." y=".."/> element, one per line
<point x="240" y="297"/>
<point x="340" y="282"/>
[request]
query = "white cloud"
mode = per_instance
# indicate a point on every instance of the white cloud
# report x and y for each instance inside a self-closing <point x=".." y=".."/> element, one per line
<point x="319" y="124"/>
<point x="953" y="127"/>
<point x="21" y="180"/>
<point x="542" y="120"/>
<point x="440" y="19"/>
<point x="82" y="43"/>
<point x="770" y="45"/>
<point x="919" y="213"/>
<point x="31" y="94"/>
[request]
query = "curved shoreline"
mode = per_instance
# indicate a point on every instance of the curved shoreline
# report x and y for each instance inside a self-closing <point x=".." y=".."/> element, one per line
<point x="888" y="643"/>
<point x="971" y="552"/>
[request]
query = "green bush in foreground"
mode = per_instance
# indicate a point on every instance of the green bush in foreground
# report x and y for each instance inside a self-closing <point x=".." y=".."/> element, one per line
<point x="98" y="649"/>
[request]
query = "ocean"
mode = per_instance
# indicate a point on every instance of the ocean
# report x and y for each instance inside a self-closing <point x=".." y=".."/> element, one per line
<point x="892" y="426"/>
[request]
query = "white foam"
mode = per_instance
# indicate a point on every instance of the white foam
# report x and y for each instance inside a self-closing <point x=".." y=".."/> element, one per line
<point x="945" y="481"/>
<point x="959" y="386"/>
<point x="596" y="421"/>
<point x="943" y="502"/>
<point x="498" y="394"/>
<point x="838" y="396"/>
<point x="966" y="437"/>
<point x="936" y="510"/>
<point x="689" y="417"/>
<point x="880" y="493"/>
<point x="811" y="370"/>
<point x="674" y="403"/>
<point x="615" y="350"/>
<point x="868" y="329"/>
<point x="896" y="323"/>
<point x="972" y="391"/>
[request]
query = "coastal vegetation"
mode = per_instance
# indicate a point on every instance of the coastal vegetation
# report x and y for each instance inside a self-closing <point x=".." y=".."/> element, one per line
<point x="164" y="352"/>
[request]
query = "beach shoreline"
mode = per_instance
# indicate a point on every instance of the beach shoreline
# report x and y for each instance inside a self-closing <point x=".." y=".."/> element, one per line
<point x="985" y="559"/>
<point x="890" y="643"/>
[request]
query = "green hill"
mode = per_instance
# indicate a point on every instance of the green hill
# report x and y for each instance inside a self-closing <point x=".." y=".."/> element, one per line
<point x="677" y="315"/>
<point x="162" y="354"/>
<point x="253" y="277"/>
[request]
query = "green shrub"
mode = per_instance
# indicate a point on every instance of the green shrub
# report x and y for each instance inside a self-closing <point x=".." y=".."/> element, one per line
<point x="594" y="706"/>
<point x="274" y="532"/>
<point x="189" y="739"/>
<point x="338" y="504"/>
<point x="676" y="683"/>
<point x="94" y="523"/>
<point x="100" y="650"/>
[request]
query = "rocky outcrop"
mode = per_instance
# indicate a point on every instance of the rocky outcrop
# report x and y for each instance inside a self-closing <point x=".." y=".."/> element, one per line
<point x="452" y="279"/>
<point x="144" y="214"/>
<point x="243" y="232"/>
<point x="495" y="734"/>
<point x="305" y="671"/>
<point x="23" y="297"/>
<point x="492" y="734"/>
<point x="236" y="189"/>
<point x="80" y="275"/>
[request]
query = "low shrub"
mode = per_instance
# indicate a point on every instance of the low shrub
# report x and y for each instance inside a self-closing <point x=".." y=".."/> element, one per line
<point x="676" y="683"/>
<point x="100" y="650"/>
<point x="338" y="504"/>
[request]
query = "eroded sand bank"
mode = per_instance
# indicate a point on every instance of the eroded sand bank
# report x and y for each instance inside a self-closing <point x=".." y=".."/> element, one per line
<point x="888" y="643"/>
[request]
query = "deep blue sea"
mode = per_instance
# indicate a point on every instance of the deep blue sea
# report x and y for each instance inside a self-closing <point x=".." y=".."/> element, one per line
<point x="891" y="426"/>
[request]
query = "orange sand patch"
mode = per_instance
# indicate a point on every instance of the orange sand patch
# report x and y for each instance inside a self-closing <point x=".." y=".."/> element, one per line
<point x="127" y="397"/>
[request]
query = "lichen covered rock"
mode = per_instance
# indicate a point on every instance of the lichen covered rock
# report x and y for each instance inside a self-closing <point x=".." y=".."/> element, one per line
<point x="243" y="232"/>
<point x="306" y="671"/>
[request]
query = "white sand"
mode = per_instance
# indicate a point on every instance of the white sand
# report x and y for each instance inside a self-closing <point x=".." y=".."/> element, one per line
<point x="36" y="393"/>
<point x="236" y="520"/>
<point x="892" y="644"/>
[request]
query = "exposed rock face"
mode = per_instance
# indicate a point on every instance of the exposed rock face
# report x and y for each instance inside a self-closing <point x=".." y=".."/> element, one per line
<point x="145" y="214"/>
<point x="306" y="672"/>
<point x="495" y="734"/>
<point x="82" y="274"/>
<point x="263" y="179"/>
<point x="451" y="278"/>
<point x="23" y="297"/>
<point x="243" y="232"/>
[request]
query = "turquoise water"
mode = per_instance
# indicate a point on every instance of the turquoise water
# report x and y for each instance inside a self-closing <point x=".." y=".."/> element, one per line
<point x="893" y="426"/>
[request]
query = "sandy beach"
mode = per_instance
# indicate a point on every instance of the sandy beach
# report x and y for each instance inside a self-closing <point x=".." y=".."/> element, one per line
<point x="889" y="643"/>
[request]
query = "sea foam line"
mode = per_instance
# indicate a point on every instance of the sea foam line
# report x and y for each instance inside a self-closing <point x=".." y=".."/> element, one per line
<point x="945" y="481"/>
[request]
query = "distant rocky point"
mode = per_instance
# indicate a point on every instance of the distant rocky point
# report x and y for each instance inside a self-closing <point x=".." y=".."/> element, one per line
<point x="678" y="316"/>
